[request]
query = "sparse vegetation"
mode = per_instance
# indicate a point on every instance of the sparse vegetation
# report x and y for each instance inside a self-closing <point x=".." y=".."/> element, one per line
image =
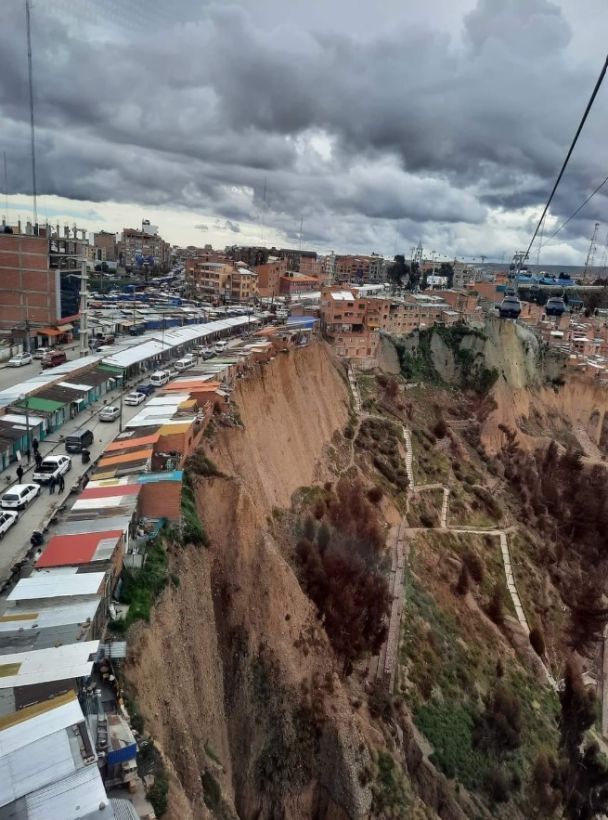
<point x="193" y="531"/>
<point x="141" y="587"/>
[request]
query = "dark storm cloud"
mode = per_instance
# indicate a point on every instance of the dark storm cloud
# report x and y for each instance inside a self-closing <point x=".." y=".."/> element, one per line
<point x="366" y="139"/>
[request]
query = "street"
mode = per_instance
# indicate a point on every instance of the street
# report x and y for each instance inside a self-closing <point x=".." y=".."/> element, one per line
<point x="16" y="542"/>
<point x="13" y="375"/>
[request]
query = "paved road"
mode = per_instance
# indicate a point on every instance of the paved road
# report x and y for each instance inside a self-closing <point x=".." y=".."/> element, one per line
<point x="16" y="542"/>
<point x="10" y="376"/>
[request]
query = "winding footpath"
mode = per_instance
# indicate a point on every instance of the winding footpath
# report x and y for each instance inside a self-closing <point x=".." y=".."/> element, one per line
<point x="386" y="667"/>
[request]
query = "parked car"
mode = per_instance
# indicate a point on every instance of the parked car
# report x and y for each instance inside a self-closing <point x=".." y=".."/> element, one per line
<point x="146" y="389"/>
<point x="220" y="347"/>
<point x="159" y="378"/>
<point x="54" y="358"/>
<point x="7" y="519"/>
<point x="208" y="353"/>
<point x="109" y="413"/>
<point x="19" y="496"/>
<point x="52" y="467"/>
<point x="20" y="359"/>
<point x="41" y="352"/>
<point x="77" y="442"/>
<point x="134" y="399"/>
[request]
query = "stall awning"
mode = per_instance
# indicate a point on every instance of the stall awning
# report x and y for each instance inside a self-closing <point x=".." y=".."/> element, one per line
<point x="48" y="331"/>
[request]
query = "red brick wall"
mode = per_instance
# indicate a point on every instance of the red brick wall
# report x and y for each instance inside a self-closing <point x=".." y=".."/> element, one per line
<point x="163" y="498"/>
<point x="25" y="274"/>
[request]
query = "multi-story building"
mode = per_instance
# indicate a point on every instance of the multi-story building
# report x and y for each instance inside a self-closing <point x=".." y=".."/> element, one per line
<point x="269" y="276"/>
<point x="243" y="285"/>
<point x="143" y="248"/>
<point x="328" y="264"/>
<point x="343" y="322"/>
<point x="361" y="269"/>
<point x="107" y="245"/>
<point x="251" y="255"/>
<point x="297" y="260"/>
<point x="292" y="283"/>
<point x="36" y="289"/>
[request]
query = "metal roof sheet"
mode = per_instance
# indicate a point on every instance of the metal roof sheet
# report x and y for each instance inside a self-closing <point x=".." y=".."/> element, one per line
<point x="66" y="662"/>
<point x="76" y="526"/>
<point x="49" y="585"/>
<point x="69" y="550"/>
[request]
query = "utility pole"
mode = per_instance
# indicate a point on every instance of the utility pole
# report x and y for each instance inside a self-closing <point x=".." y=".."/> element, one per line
<point x="32" y="124"/>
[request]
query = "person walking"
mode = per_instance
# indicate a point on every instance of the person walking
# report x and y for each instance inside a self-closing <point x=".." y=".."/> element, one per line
<point x="52" y="484"/>
<point x="20" y="473"/>
<point x="61" y="483"/>
<point x="28" y="455"/>
<point x="38" y="459"/>
<point x="35" y="445"/>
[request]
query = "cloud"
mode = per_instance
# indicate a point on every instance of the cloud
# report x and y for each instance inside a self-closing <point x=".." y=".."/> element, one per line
<point x="373" y="140"/>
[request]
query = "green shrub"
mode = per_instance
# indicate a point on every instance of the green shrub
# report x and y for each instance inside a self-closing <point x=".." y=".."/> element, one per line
<point x="158" y="795"/>
<point x="141" y="587"/>
<point x="193" y="531"/>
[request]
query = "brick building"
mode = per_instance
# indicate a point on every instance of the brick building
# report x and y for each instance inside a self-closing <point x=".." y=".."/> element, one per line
<point x="269" y="276"/>
<point x="292" y="283"/>
<point x="143" y="242"/>
<point x="107" y="244"/>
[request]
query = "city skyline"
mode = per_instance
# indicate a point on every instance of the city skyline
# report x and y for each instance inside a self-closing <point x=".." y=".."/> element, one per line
<point x="457" y="148"/>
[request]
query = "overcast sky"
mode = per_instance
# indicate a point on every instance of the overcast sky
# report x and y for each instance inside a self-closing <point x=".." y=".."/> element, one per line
<point x="374" y="124"/>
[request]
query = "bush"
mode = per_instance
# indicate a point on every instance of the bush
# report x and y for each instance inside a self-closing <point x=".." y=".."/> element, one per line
<point x="375" y="495"/>
<point x="193" y="531"/>
<point x="537" y="640"/>
<point x="497" y="785"/>
<point x="474" y="564"/>
<point x="349" y="433"/>
<point x="323" y="537"/>
<point x="309" y="530"/>
<point x="212" y="791"/>
<point x="496" y="605"/>
<point x="440" y="429"/>
<point x="158" y="795"/>
<point x="464" y="581"/>
<point x="427" y="520"/>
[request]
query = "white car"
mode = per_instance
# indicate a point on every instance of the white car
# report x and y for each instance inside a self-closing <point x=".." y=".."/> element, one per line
<point x="41" y="352"/>
<point x="7" y="519"/>
<point x="52" y="467"/>
<point x="109" y="413"/>
<point x="220" y="347"/>
<point x="19" y="496"/>
<point x="134" y="399"/>
<point x="20" y="359"/>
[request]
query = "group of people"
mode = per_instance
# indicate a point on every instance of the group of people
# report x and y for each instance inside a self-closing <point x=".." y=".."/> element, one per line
<point x="54" y="482"/>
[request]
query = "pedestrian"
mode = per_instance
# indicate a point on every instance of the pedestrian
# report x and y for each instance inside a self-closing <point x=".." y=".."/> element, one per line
<point x="61" y="483"/>
<point x="20" y="473"/>
<point x="35" y="445"/>
<point x="28" y="454"/>
<point x="38" y="459"/>
<point x="52" y="484"/>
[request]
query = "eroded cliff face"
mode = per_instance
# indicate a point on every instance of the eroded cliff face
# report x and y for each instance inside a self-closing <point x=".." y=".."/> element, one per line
<point x="234" y="675"/>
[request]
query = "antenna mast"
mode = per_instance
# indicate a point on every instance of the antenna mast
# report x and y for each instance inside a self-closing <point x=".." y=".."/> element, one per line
<point x="5" y="188"/>
<point x="592" y="249"/>
<point x="31" y="88"/>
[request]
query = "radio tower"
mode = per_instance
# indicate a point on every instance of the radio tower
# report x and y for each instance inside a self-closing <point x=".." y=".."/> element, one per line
<point x="31" y="89"/>
<point x="592" y="249"/>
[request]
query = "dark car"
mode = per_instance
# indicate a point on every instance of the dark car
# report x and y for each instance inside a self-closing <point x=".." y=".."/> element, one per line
<point x="77" y="442"/>
<point x="146" y="389"/>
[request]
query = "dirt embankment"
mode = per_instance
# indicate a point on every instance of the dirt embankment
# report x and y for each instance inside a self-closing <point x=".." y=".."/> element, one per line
<point x="234" y="676"/>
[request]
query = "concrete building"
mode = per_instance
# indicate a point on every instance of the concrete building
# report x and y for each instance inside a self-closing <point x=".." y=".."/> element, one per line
<point x="361" y="269"/>
<point x="243" y="285"/>
<point x="143" y="247"/>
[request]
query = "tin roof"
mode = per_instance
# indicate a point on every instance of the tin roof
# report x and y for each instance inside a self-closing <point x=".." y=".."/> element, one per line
<point x="131" y="441"/>
<point x="68" y="550"/>
<point x="45" y="665"/>
<point x="49" y="585"/>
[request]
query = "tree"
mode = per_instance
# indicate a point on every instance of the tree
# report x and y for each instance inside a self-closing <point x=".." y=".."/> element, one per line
<point x="447" y="270"/>
<point x="584" y="775"/>
<point x="309" y="529"/>
<point x="398" y="271"/>
<point x="323" y="536"/>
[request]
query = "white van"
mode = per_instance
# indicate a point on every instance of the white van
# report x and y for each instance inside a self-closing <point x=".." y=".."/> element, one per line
<point x="220" y="347"/>
<point x="159" y="378"/>
<point x="185" y="363"/>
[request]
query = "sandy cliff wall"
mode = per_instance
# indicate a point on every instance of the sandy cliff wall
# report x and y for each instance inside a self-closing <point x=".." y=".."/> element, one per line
<point x="234" y="664"/>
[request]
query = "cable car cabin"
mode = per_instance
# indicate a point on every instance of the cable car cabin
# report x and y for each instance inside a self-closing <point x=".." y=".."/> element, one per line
<point x="555" y="306"/>
<point x="510" y="307"/>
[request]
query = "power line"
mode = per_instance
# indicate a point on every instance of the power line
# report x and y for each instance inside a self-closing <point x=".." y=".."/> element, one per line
<point x="571" y="149"/>
<point x="579" y="209"/>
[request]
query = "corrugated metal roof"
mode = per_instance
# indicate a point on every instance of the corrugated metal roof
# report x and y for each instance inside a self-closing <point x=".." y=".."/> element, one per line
<point x="70" y="550"/>
<point x="76" y="611"/>
<point x="118" y="487"/>
<point x="76" y="526"/>
<point x="79" y="795"/>
<point x="154" y="478"/>
<point x="131" y="441"/>
<point x="46" y="405"/>
<point x="136" y="455"/>
<point x="67" y="662"/>
<point x="49" y="585"/>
